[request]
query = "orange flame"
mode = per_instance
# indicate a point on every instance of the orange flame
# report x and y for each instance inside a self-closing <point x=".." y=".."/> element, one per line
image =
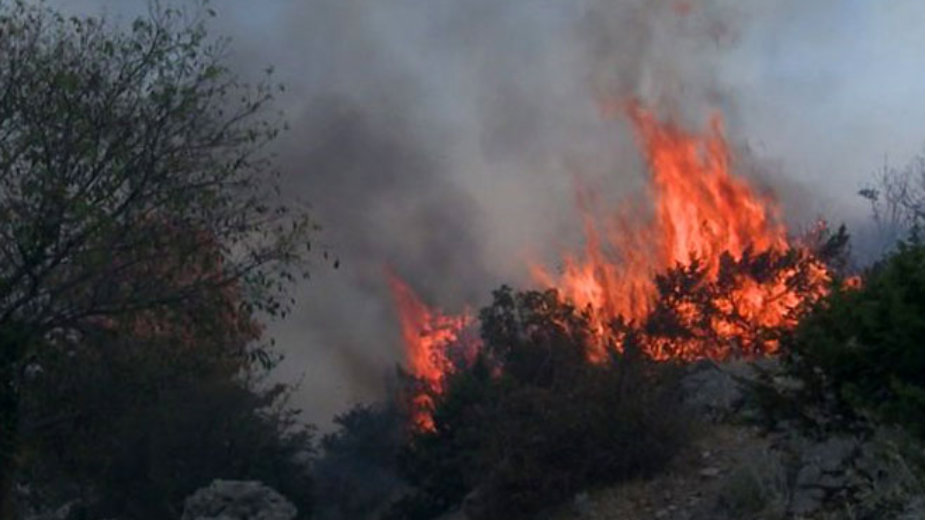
<point x="704" y="220"/>
<point x="427" y="334"/>
<point x="701" y="213"/>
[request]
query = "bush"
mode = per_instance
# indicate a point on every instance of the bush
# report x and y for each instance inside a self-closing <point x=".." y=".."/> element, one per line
<point x="357" y="472"/>
<point x="131" y="427"/>
<point x="865" y="345"/>
<point x="531" y="421"/>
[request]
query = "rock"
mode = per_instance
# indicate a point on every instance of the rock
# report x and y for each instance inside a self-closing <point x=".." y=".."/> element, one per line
<point x="237" y="500"/>
<point x="711" y="390"/>
<point x="710" y="472"/>
<point x="582" y="504"/>
<point x="824" y="471"/>
<point x="833" y="454"/>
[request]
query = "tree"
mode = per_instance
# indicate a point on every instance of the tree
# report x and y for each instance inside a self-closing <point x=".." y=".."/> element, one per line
<point x="897" y="199"/>
<point x="144" y="408"/>
<point x="116" y="146"/>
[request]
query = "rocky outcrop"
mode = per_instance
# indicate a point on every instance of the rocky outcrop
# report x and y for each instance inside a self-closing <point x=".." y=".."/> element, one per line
<point x="823" y="472"/>
<point x="752" y="461"/>
<point x="237" y="500"/>
<point x="711" y="390"/>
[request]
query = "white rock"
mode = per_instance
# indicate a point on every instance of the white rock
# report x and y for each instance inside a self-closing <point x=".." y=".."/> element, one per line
<point x="237" y="500"/>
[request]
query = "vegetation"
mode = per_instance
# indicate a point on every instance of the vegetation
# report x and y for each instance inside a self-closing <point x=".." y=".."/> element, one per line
<point x="131" y="430"/>
<point x="690" y="303"/>
<point x="864" y="346"/>
<point x="897" y="199"/>
<point x="531" y="421"/>
<point x="859" y="352"/>
<point x="141" y="230"/>
<point x="357" y="472"/>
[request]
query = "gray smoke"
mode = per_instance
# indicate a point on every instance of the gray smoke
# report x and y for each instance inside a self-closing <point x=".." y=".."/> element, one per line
<point x="443" y="138"/>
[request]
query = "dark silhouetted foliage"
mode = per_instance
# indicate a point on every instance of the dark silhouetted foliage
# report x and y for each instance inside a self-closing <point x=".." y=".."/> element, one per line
<point x="130" y="429"/>
<point x="357" y="471"/>
<point x="865" y="345"/>
<point x="134" y="177"/>
<point x="531" y="421"/>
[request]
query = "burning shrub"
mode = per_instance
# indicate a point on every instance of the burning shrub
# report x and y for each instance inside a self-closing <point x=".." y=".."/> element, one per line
<point x="568" y="376"/>
<point x="699" y="315"/>
<point x="865" y="344"/>
<point x="532" y="421"/>
<point x="714" y="263"/>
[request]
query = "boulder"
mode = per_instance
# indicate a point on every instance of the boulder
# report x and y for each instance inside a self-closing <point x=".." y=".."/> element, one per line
<point x="237" y="500"/>
<point x="711" y="390"/>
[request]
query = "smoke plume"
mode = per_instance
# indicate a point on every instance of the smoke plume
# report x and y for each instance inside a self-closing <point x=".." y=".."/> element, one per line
<point x="444" y="138"/>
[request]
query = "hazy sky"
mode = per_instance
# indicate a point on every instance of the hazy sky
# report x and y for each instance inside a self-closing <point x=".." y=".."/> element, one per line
<point x="443" y="137"/>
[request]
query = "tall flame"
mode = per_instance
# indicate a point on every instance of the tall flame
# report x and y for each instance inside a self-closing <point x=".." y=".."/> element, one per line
<point x="703" y="221"/>
<point x="428" y="335"/>
<point x="701" y="214"/>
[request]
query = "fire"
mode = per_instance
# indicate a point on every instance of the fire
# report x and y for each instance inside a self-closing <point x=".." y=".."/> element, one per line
<point x="712" y="273"/>
<point x="702" y="215"/>
<point x="428" y="336"/>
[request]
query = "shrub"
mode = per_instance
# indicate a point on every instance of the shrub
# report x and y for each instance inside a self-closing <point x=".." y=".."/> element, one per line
<point x="132" y="428"/>
<point x="531" y="421"/>
<point x="357" y="472"/>
<point x="865" y="345"/>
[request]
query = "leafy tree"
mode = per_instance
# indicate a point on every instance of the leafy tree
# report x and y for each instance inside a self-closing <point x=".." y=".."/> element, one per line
<point x="111" y="137"/>
<point x="116" y="146"/>
<point x="142" y="409"/>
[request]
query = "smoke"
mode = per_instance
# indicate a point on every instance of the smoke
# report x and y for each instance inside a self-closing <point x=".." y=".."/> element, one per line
<point x="444" y="138"/>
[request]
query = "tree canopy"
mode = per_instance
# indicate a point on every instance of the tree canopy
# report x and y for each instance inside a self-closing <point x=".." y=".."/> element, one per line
<point x="139" y="206"/>
<point x="119" y="146"/>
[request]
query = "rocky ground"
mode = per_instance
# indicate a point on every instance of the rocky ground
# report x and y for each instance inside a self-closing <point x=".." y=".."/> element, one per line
<point x="736" y="469"/>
